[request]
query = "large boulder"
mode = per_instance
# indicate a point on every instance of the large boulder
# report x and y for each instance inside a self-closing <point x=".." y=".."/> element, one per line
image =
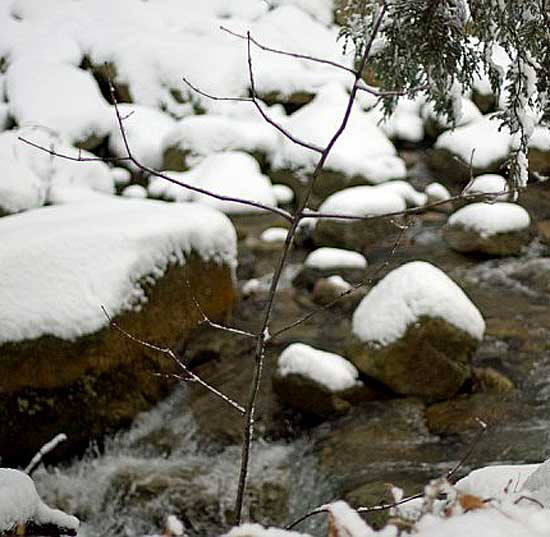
<point x="416" y="332"/>
<point x="497" y="229"/>
<point x="62" y="368"/>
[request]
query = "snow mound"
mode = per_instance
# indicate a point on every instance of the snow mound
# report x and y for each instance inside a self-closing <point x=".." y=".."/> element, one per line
<point x="59" y="97"/>
<point x="256" y="530"/>
<point x="489" y="183"/>
<point x="161" y="188"/>
<point x="491" y="218"/>
<point x="483" y="142"/>
<point x="205" y="134"/>
<point x="470" y="112"/>
<point x="540" y="139"/>
<point x="404" y="123"/>
<point x="437" y="192"/>
<point x="274" y="234"/>
<point x="410" y="195"/>
<point x="409" y="292"/>
<point x="20" y="503"/>
<point x="60" y="264"/>
<point x="330" y="370"/>
<point x="363" y="201"/>
<point x="332" y="258"/>
<point x="362" y="149"/>
<point x="145" y="129"/>
<point x="135" y="191"/>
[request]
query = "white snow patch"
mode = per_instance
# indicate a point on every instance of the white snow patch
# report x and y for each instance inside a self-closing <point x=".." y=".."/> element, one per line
<point x="20" y="503"/>
<point x="437" y="192"/>
<point x="482" y="142"/>
<point x="145" y="130"/>
<point x="470" y="112"/>
<point x="161" y="188"/>
<point x="491" y="218"/>
<point x="332" y="258"/>
<point x="540" y="139"/>
<point x="362" y="149"/>
<point x="405" y="123"/>
<point x="489" y="183"/>
<point x="339" y="283"/>
<point x="121" y="176"/>
<point x="174" y="525"/>
<point x="59" y="97"/>
<point x="274" y="234"/>
<point x="411" y="291"/>
<point x="410" y="195"/>
<point x="135" y="191"/>
<point x="60" y="264"/>
<point x="363" y="201"/>
<point x="284" y="194"/>
<point x="330" y="370"/>
<point x="255" y="530"/>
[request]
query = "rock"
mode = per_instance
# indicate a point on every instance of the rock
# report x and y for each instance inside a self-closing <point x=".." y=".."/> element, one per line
<point x="488" y="379"/>
<point x="416" y="332"/>
<point x="544" y="231"/>
<point x="330" y="290"/>
<point x="498" y="229"/>
<point x="316" y="382"/>
<point x="539" y="151"/>
<point x="62" y="367"/>
<point x="291" y="102"/>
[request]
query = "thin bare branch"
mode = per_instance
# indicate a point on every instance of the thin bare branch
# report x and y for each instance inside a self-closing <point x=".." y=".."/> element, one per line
<point x="44" y="450"/>
<point x="482" y="428"/>
<point x="215" y="97"/>
<point x="172" y="355"/>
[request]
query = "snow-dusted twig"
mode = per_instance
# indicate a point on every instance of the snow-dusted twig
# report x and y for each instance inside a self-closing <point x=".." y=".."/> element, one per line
<point x="172" y="355"/>
<point x="43" y="451"/>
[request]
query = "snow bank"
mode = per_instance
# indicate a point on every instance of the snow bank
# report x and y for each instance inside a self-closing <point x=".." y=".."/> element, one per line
<point x="489" y="183"/>
<point x="363" y="149"/>
<point x="484" y="137"/>
<point x="59" y="97"/>
<point x="363" y="201"/>
<point x="330" y="370"/>
<point x="407" y="293"/>
<point x="20" y="503"/>
<point x="491" y="218"/>
<point x="145" y="129"/>
<point x="60" y="264"/>
<point x="332" y="258"/>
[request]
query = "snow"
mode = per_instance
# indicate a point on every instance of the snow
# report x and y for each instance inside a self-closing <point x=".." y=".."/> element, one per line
<point x="338" y="283"/>
<point x="470" y="112"/>
<point x="60" y="264"/>
<point x="491" y="218"/>
<point x="538" y="483"/>
<point x="335" y="258"/>
<point x="405" y="123"/>
<point x="482" y="142"/>
<point x="145" y="129"/>
<point x="58" y="97"/>
<point x="284" y="194"/>
<point x="20" y="503"/>
<point x="274" y="234"/>
<point x="437" y="192"/>
<point x="540" y="139"/>
<point x="489" y="183"/>
<point x="325" y="368"/>
<point x="174" y="525"/>
<point x="411" y="291"/>
<point x="4" y="115"/>
<point x="135" y="191"/>
<point x="410" y="195"/>
<point x="161" y="188"/>
<point x="255" y="530"/>
<point x="363" y="149"/>
<point x="363" y="201"/>
<point x="205" y="134"/>
<point x="121" y="176"/>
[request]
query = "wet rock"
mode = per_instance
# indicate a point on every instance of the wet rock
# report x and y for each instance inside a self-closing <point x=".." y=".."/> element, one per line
<point x="487" y="379"/>
<point x="291" y="102"/>
<point x="543" y="229"/>
<point x="330" y="290"/>
<point x="534" y="273"/>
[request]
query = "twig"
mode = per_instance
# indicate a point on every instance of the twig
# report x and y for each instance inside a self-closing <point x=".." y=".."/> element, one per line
<point x="44" y="450"/>
<point x="482" y="428"/>
<point x="171" y="354"/>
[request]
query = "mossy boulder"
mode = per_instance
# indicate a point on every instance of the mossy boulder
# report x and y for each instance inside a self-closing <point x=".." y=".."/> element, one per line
<point x="99" y="382"/>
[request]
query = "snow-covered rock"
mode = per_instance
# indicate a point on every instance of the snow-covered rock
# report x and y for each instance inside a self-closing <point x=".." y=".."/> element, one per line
<point x="135" y="191"/>
<point x="58" y="97"/>
<point x="416" y="332"/>
<point x="334" y="258"/>
<point x="332" y="289"/>
<point x="363" y="150"/>
<point x="315" y="381"/>
<point x="145" y="129"/>
<point x="437" y="192"/>
<point x="283" y="193"/>
<point x="274" y="234"/>
<point x="404" y="124"/>
<point x="435" y="124"/>
<point x="20" y="505"/>
<point x="539" y="151"/>
<point x="489" y="183"/>
<point x="60" y="265"/>
<point x="489" y="228"/>
<point x="195" y="137"/>
<point x="362" y="201"/>
<point x="410" y="195"/>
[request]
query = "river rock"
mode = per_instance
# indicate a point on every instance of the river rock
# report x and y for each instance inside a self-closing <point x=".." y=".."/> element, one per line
<point x="63" y="369"/>
<point x="497" y="229"/>
<point x="416" y="332"/>
<point x="317" y="382"/>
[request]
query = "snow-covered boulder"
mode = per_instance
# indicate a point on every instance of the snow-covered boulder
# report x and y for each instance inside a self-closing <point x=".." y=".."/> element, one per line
<point x="436" y="124"/>
<point x="145" y="129"/>
<point x="362" y="154"/>
<point x="315" y="381"/>
<point x="194" y="137"/>
<point x="22" y="509"/>
<point x="416" y="332"/>
<point x="489" y="228"/>
<point x="438" y="193"/>
<point x="539" y="151"/>
<point x="335" y="290"/>
<point x="58" y="97"/>
<point x="492" y="184"/>
<point x="481" y="143"/>
<point x="361" y="201"/>
<point x="326" y="261"/>
<point x="60" y="265"/>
